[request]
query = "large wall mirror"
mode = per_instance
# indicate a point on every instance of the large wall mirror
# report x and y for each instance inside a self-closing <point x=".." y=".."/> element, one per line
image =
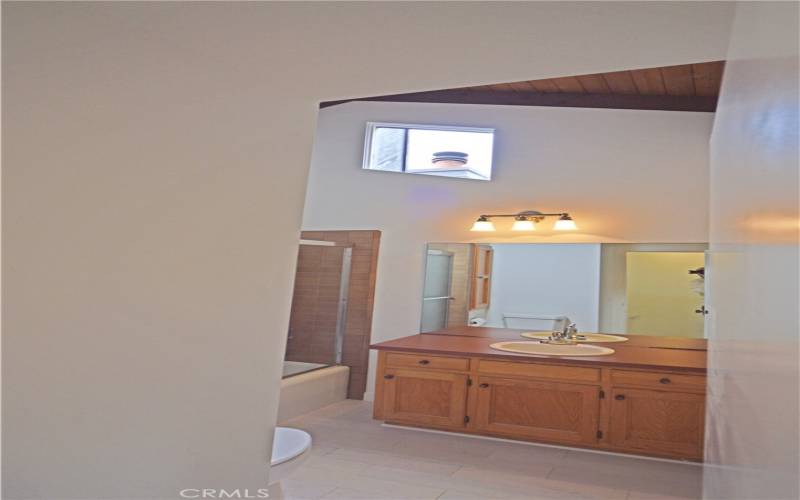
<point x="633" y="288"/>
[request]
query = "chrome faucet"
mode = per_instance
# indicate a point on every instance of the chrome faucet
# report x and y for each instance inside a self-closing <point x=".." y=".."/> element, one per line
<point x="560" y="325"/>
<point x="566" y="335"/>
<point x="570" y="331"/>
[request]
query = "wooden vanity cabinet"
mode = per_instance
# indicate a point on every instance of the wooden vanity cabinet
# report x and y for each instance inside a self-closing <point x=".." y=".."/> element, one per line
<point x="646" y="412"/>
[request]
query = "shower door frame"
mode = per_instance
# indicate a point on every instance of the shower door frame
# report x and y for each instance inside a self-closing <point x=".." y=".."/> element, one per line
<point x="344" y="292"/>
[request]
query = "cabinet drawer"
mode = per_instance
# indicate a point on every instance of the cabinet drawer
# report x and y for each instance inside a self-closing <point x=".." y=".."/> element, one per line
<point x="666" y="381"/>
<point x="395" y="360"/>
<point x="562" y="373"/>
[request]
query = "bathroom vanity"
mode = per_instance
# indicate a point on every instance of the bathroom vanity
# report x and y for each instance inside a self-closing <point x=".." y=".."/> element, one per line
<point x="646" y="398"/>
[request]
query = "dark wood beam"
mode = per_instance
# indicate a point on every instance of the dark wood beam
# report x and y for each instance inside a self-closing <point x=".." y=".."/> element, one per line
<point x="557" y="99"/>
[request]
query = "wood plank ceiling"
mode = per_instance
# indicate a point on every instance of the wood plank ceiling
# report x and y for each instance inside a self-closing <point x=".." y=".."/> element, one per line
<point x="686" y="87"/>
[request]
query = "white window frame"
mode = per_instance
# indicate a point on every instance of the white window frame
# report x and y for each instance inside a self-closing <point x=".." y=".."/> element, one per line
<point x="371" y="126"/>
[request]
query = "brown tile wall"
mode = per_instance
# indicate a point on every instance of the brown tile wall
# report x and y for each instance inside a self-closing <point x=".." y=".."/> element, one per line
<point x="312" y="325"/>
<point x="313" y="319"/>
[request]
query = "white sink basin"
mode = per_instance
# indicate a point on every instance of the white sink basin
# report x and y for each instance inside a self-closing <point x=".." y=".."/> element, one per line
<point x="523" y="347"/>
<point x="582" y="337"/>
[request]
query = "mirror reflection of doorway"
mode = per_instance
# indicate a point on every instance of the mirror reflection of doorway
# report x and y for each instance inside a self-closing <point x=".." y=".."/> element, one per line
<point x="436" y="295"/>
<point x="662" y="297"/>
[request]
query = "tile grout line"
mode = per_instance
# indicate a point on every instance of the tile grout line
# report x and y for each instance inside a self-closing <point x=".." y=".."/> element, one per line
<point x="408" y="458"/>
<point x="335" y="448"/>
<point x="364" y="473"/>
<point x="327" y="492"/>
<point x="452" y="474"/>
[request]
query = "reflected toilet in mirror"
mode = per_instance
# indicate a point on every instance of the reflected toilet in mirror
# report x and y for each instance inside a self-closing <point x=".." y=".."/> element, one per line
<point x="613" y="288"/>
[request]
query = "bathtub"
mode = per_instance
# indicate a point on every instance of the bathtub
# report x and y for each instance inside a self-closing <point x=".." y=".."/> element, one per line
<point x="311" y="390"/>
<point x="292" y="368"/>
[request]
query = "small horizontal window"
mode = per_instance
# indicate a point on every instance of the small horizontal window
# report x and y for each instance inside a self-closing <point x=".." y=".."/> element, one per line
<point x="464" y="152"/>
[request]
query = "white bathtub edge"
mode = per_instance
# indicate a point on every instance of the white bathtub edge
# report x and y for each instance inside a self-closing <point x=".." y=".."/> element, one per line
<point x="310" y="391"/>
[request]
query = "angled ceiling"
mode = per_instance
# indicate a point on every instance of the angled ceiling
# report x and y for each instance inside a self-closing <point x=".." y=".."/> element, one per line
<point x="686" y="87"/>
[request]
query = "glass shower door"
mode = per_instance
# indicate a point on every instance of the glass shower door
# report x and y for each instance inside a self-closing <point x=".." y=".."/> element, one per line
<point x="436" y="294"/>
<point x="319" y="306"/>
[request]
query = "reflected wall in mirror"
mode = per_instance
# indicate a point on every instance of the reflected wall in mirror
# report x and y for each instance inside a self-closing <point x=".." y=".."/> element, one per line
<point x="629" y="288"/>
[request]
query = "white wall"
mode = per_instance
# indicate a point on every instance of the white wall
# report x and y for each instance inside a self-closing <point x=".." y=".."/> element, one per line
<point x="155" y="158"/>
<point x="752" y="417"/>
<point x="624" y="175"/>
<point x="547" y="280"/>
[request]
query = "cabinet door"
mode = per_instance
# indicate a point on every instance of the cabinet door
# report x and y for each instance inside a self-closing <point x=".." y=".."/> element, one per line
<point x="425" y="397"/>
<point x="549" y="411"/>
<point x="663" y="422"/>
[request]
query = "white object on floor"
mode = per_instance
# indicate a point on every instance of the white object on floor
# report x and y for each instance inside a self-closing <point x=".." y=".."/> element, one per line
<point x="287" y="444"/>
<point x="310" y="391"/>
<point x="294" y="367"/>
<point x="290" y="449"/>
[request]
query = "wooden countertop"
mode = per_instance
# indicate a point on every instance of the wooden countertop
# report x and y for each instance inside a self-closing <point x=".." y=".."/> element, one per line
<point x="640" y="351"/>
<point x="633" y="340"/>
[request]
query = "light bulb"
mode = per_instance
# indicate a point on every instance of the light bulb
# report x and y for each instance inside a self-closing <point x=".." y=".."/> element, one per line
<point x="565" y="223"/>
<point x="523" y="224"/>
<point x="483" y="224"/>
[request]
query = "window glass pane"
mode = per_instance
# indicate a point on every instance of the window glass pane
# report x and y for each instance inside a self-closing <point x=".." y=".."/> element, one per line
<point x="451" y="153"/>
<point x="448" y="151"/>
<point x="387" y="152"/>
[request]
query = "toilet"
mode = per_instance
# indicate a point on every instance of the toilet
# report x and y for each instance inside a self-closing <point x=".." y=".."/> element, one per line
<point x="290" y="448"/>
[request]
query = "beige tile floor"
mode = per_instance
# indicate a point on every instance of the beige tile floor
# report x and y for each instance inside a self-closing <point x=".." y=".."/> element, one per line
<point x="355" y="457"/>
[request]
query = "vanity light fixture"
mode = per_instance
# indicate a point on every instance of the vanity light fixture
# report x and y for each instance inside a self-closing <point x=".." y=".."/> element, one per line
<point x="526" y="221"/>
<point x="523" y="223"/>
<point x="483" y="224"/>
<point x="565" y="223"/>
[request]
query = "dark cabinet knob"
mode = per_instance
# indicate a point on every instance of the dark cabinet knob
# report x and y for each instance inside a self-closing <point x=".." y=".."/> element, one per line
<point x="483" y="386"/>
<point x="388" y="377"/>
<point x="619" y="397"/>
<point x="665" y="380"/>
<point x="424" y="362"/>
